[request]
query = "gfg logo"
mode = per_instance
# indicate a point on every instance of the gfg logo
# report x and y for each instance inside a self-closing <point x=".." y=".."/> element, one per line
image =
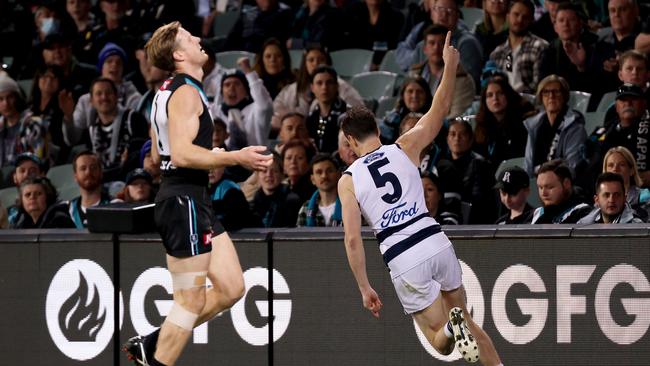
<point x="79" y="309"/>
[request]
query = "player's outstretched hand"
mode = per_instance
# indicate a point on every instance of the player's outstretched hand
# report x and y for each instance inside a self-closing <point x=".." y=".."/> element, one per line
<point x="251" y="157"/>
<point x="371" y="301"/>
<point x="450" y="54"/>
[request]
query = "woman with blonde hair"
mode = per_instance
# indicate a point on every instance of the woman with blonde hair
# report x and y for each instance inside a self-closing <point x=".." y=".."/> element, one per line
<point x="620" y="160"/>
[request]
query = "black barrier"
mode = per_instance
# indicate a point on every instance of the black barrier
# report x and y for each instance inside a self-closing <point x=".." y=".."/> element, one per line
<point x="546" y="295"/>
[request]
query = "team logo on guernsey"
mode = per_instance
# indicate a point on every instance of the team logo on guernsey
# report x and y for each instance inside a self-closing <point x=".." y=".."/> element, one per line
<point x="165" y="84"/>
<point x="372" y="157"/>
<point x="207" y="238"/>
<point x="79" y="309"/>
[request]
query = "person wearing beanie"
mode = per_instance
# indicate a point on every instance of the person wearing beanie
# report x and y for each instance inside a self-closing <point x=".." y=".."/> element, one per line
<point x="246" y="107"/>
<point x="19" y="132"/>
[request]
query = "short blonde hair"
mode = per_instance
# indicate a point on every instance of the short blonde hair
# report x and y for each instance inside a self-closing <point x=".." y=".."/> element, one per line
<point x="160" y="48"/>
<point x="553" y="79"/>
<point x="631" y="162"/>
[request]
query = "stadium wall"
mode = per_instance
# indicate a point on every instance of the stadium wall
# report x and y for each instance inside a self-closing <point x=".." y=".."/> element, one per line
<point x="546" y="295"/>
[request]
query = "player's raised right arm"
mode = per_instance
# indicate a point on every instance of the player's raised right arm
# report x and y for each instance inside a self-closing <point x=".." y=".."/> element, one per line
<point x="184" y="109"/>
<point x="427" y="128"/>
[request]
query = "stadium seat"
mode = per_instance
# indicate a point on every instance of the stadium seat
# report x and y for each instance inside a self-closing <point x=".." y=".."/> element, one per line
<point x="61" y="176"/>
<point x="579" y="101"/>
<point x="529" y="97"/>
<point x="228" y="59"/>
<point x="374" y="84"/>
<point x="8" y="196"/>
<point x="593" y="120"/>
<point x="606" y="101"/>
<point x="465" y="211"/>
<point x="508" y="164"/>
<point x="223" y="23"/>
<point x="388" y="63"/>
<point x="296" y="58"/>
<point x="533" y="197"/>
<point x="350" y="62"/>
<point x="7" y="176"/>
<point x="385" y="105"/>
<point x="471" y="16"/>
<point x="26" y="87"/>
<point x="68" y="193"/>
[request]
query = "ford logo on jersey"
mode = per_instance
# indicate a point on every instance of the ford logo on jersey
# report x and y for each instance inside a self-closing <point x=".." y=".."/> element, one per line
<point x="372" y="157"/>
<point x="395" y="215"/>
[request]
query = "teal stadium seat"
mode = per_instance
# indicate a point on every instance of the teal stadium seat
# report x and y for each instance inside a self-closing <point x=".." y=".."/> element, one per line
<point x="385" y="105"/>
<point x="8" y="196"/>
<point x="223" y="23"/>
<point x="471" y="16"/>
<point x="228" y="59"/>
<point x="350" y="62"/>
<point x="579" y="100"/>
<point x="374" y="84"/>
<point x="62" y="176"/>
<point x="388" y="63"/>
<point x="296" y="58"/>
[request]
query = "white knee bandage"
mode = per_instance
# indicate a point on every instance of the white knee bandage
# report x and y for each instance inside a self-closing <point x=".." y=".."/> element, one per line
<point x="182" y="317"/>
<point x="188" y="280"/>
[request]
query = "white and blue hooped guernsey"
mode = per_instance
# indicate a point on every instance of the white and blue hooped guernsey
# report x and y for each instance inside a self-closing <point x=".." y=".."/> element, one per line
<point x="388" y="187"/>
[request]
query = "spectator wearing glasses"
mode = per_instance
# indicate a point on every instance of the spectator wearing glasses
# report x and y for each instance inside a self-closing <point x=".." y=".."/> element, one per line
<point x="323" y="121"/>
<point x="520" y="56"/>
<point x="558" y="132"/>
<point x="609" y="200"/>
<point x="445" y="13"/>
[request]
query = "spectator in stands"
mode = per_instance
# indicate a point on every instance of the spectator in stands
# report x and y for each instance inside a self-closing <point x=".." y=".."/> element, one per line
<point x="620" y="160"/>
<point x="374" y="25"/>
<point x="430" y="155"/>
<point x="57" y="50"/>
<point x="119" y="152"/>
<point x="297" y="97"/>
<point x="642" y="42"/>
<point x="19" y="131"/>
<point x="520" y="56"/>
<point x="431" y="71"/>
<point x="317" y="22"/>
<point x="468" y="173"/>
<point x="274" y="204"/>
<point x="116" y="26"/>
<point x="324" y="207"/>
<point x="575" y="56"/>
<point x="247" y="107"/>
<point x="267" y="18"/>
<point x="273" y="66"/>
<point x="138" y="188"/>
<point x="560" y="204"/>
<point x="513" y="185"/>
<point x="500" y="133"/>
<point x="611" y="207"/>
<point x="153" y="78"/>
<point x="16" y="35"/>
<point x="631" y="130"/>
<point x="228" y="202"/>
<point x="112" y="60"/>
<point x="558" y="132"/>
<point x="445" y="13"/>
<point x="625" y="27"/>
<point x="493" y="30"/>
<point x="48" y="20"/>
<point x="295" y="162"/>
<point x="434" y="199"/>
<point x="84" y="22"/>
<point x="87" y="170"/>
<point x="327" y="108"/>
<point x="28" y="166"/>
<point x="293" y="126"/>
<point x="543" y="27"/>
<point x="635" y="69"/>
<point x="414" y="96"/>
<point x="147" y="163"/>
<point x="46" y="88"/>
<point x="38" y="203"/>
<point x="344" y="155"/>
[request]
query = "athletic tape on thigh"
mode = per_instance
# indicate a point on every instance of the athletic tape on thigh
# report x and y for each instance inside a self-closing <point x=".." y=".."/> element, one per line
<point x="182" y="317"/>
<point x="188" y="280"/>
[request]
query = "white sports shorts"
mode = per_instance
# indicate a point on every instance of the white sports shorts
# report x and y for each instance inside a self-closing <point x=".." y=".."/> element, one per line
<point x="419" y="287"/>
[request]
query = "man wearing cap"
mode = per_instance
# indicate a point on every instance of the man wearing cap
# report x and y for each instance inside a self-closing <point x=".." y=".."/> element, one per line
<point x="609" y="200"/>
<point x="246" y="107"/>
<point x="631" y="129"/>
<point x="111" y="61"/>
<point x="513" y="186"/>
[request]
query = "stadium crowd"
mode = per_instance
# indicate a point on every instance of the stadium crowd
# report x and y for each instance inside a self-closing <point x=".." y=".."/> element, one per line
<point x="550" y="121"/>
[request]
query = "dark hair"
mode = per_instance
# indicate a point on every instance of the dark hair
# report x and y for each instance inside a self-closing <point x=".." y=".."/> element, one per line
<point x="434" y="30"/>
<point x="462" y="122"/>
<point x="527" y="3"/>
<point x="303" y="78"/>
<point x="320" y="69"/>
<point x="568" y="5"/>
<point x="321" y="157"/>
<point x="410" y="116"/>
<point x="427" y="91"/>
<point x="36" y="95"/>
<point x="286" y="73"/>
<point x="515" y="110"/>
<point x="102" y="79"/>
<point x="291" y="114"/>
<point x="80" y="154"/>
<point x="558" y="167"/>
<point x="609" y="177"/>
<point x="434" y="179"/>
<point x="310" y="150"/>
<point x="218" y="122"/>
<point x="359" y="122"/>
<point x="277" y="161"/>
<point x="50" y="192"/>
